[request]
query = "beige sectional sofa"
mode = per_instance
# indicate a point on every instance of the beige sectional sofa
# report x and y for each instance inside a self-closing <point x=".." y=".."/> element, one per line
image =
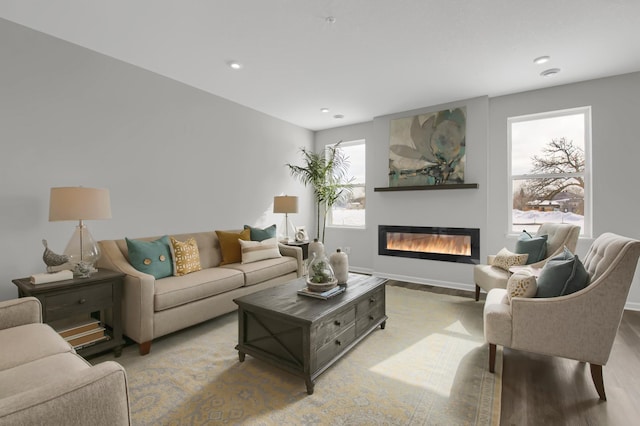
<point x="155" y="307"/>
<point x="44" y="382"/>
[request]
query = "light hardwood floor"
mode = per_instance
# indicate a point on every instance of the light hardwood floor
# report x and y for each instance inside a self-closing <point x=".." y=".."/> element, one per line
<point x="542" y="390"/>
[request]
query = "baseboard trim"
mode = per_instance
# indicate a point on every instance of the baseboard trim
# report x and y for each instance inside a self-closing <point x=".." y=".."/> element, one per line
<point x="437" y="283"/>
<point x="631" y="306"/>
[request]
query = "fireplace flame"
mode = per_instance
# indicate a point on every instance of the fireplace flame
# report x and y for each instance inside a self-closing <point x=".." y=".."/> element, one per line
<point x="430" y="243"/>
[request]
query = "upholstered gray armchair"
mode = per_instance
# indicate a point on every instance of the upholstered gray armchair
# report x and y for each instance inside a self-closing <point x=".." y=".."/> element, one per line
<point x="487" y="276"/>
<point x="581" y="325"/>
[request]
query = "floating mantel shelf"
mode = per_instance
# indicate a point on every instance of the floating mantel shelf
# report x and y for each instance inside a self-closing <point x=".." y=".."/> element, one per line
<point x="428" y="187"/>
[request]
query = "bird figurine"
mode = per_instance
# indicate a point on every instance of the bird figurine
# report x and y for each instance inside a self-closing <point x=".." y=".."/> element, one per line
<point x="52" y="259"/>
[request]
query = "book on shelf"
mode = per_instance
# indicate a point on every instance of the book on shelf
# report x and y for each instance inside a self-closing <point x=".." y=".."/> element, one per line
<point x="87" y="337"/>
<point x="322" y="295"/>
<point x="73" y="326"/>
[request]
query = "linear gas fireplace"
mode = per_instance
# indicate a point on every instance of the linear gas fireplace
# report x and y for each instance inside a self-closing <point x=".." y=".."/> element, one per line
<point x="425" y="242"/>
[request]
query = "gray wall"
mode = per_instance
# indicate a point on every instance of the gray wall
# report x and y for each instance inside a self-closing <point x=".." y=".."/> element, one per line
<point x="448" y="208"/>
<point x="615" y="103"/>
<point x="174" y="158"/>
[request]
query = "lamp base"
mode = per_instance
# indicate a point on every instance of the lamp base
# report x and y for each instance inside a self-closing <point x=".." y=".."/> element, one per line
<point x="83" y="252"/>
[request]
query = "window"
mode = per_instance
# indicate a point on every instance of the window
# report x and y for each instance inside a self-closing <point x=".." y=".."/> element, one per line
<point x="350" y="211"/>
<point x="550" y="169"/>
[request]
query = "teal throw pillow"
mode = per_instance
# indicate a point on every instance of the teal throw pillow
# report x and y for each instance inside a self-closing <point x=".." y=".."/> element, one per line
<point x="257" y="234"/>
<point x="535" y="247"/>
<point x="151" y="257"/>
<point x="561" y="275"/>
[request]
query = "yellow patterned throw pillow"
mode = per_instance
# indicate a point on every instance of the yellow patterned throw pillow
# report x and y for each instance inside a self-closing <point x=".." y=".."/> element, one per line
<point x="521" y="284"/>
<point x="506" y="259"/>
<point x="185" y="256"/>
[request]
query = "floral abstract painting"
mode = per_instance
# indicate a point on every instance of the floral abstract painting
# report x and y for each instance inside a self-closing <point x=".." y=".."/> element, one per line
<point x="428" y="149"/>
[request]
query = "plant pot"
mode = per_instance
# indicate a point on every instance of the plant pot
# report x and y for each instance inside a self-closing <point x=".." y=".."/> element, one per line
<point x="320" y="287"/>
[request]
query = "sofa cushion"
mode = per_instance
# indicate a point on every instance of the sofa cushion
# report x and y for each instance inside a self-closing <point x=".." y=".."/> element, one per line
<point x="175" y="291"/>
<point x="29" y="342"/>
<point x="561" y="275"/>
<point x="257" y="272"/>
<point x="151" y="257"/>
<point x="535" y="247"/>
<point x="230" y="246"/>
<point x="186" y="257"/>
<point x="30" y="375"/>
<point x="258" y="234"/>
<point x="506" y="259"/>
<point x="253" y="251"/>
<point x="521" y="284"/>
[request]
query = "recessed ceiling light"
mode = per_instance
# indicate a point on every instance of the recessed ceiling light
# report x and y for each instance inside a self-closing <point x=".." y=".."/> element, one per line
<point x="324" y="109"/>
<point x="541" y="59"/>
<point x="550" y="72"/>
<point x="330" y="20"/>
<point x="234" y="65"/>
<point x="338" y="116"/>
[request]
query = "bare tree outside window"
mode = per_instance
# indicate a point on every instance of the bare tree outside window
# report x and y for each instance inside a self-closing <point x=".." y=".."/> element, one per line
<point x="549" y="169"/>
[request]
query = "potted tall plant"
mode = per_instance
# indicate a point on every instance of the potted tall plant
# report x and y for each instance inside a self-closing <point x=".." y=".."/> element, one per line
<point x="326" y="173"/>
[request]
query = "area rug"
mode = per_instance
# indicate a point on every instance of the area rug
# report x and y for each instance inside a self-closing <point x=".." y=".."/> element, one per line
<point x="427" y="367"/>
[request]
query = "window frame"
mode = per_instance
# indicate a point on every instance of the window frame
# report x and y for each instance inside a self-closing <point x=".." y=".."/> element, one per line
<point x="586" y="231"/>
<point x="330" y="223"/>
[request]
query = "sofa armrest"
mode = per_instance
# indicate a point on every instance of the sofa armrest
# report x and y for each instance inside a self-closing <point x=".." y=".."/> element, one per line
<point x="96" y="396"/>
<point x="15" y="312"/>
<point x="295" y="252"/>
<point x="137" y="293"/>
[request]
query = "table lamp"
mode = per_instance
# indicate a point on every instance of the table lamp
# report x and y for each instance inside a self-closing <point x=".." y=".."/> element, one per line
<point x="78" y="203"/>
<point x="285" y="204"/>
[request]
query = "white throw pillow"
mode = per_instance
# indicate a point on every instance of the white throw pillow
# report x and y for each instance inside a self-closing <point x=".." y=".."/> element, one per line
<point x="521" y="284"/>
<point x="506" y="259"/>
<point x="252" y="251"/>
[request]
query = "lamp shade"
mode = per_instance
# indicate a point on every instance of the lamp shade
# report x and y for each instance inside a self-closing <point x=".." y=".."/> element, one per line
<point x="78" y="203"/>
<point x="285" y="204"/>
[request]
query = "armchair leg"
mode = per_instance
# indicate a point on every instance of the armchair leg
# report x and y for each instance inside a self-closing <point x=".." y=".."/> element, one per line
<point x="477" y="292"/>
<point x="596" y="375"/>
<point x="492" y="358"/>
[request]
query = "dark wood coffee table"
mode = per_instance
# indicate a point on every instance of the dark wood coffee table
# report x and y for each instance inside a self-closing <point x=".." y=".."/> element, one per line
<point x="304" y="335"/>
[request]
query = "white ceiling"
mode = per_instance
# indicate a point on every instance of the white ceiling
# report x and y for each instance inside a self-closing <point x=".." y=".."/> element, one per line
<point x="379" y="57"/>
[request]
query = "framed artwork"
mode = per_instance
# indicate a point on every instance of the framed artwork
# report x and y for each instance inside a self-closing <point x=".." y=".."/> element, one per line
<point x="428" y="149"/>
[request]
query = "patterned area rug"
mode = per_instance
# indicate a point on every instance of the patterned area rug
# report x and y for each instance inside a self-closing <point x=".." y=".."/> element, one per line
<point x="427" y="367"/>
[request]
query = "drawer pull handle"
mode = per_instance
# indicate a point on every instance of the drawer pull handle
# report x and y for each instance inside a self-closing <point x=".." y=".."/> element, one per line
<point x="338" y="342"/>
<point x="337" y="322"/>
<point x="372" y="300"/>
<point x="81" y="301"/>
<point x="371" y="317"/>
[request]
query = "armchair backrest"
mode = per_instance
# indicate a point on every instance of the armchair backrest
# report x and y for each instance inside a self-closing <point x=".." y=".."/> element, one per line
<point x="560" y="235"/>
<point x="610" y="252"/>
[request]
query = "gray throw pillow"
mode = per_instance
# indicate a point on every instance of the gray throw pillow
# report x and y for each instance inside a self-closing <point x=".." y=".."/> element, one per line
<point x="535" y="247"/>
<point x="257" y="234"/>
<point x="561" y="275"/>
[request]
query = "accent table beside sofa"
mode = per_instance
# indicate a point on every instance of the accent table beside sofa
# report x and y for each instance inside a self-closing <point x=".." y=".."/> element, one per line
<point x="155" y="307"/>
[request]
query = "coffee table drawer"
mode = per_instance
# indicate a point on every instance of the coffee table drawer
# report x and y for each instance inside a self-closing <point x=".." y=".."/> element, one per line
<point x="373" y="301"/>
<point x="335" y="345"/>
<point x="333" y="326"/>
<point x="79" y="301"/>
<point x="363" y="322"/>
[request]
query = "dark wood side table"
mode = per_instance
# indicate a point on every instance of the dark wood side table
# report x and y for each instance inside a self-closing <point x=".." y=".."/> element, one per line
<point x="91" y="296"/>
<point x="304" y="245"/>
